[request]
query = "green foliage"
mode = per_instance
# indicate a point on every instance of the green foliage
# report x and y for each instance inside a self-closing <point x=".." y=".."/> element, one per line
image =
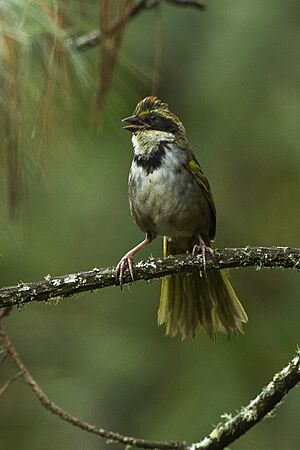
<point x="232" y="75"/>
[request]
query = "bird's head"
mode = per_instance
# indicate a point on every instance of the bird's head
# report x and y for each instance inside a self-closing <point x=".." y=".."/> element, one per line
<point x="152" y="114"/>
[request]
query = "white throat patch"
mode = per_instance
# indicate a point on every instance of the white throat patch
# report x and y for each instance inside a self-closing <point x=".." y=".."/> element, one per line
<point x="146" y="141"/>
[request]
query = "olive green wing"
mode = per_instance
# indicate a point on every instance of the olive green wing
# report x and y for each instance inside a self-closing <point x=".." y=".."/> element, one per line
<point x="202" y="181"/>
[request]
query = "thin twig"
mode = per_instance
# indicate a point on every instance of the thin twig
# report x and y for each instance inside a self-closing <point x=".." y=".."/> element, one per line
<point x="55" y="409"/>
<point x="9" y="382"/>
<point x="65" y="285"/>
<point x="95" y="38"/>
<point x="196" y="3"/>
<point x="222" y="435"/>
<point x="5" y="311"/>
<point x="3" y="356"/>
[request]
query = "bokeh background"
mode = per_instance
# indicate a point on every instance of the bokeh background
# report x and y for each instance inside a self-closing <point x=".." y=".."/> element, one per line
<point x="232" y="74"/>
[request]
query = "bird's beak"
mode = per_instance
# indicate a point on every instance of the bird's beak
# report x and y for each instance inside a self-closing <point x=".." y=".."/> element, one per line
<point x="135" y="123"/>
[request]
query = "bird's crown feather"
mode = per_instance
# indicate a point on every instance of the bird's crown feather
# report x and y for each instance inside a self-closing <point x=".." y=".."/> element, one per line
<point x="150" y="104"/>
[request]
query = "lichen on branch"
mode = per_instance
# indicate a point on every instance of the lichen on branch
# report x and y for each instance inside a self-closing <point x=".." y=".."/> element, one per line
<point x="66" y="285"/>
<point x="271" y="395"/>
<point x="222" y="435"/>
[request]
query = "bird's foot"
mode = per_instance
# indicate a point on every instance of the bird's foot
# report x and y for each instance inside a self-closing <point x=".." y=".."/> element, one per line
<point x="202" y="248"/>
<point x="126" y="260"/>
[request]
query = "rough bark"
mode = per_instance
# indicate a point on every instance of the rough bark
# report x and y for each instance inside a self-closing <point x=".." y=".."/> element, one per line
<point x="271" y="395"/>
<point x="223" y="434"/>
<point x="66" y="285"/>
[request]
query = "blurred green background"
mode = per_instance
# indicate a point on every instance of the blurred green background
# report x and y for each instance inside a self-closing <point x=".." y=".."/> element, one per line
<point x="232" y="75"/>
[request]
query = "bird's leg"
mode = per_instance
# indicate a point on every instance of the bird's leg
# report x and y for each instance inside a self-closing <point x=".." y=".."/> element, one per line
<point x="201" y="247"/>
<point x="127" y="260"/>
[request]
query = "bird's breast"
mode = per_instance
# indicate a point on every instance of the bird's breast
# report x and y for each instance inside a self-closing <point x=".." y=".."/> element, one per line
<point x="164" y="197"/>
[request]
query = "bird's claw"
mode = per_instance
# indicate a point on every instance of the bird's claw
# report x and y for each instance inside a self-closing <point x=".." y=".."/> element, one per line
<point x="202" y="248"/>
<point x="127" y="260"/>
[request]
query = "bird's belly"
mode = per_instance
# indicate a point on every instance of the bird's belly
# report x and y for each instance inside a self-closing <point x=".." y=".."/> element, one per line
<point x="166" y="203"/>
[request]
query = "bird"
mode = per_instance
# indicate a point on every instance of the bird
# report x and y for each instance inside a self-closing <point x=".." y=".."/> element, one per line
<point x="169" y="196"/>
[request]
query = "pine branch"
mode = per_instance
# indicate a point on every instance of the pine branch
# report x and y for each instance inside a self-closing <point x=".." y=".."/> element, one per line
<point x="224" y="433"/>
<point x="67" y="285"/>
<point x="95" y="38"/>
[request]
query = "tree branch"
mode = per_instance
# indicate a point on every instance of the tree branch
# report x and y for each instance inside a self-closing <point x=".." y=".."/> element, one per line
<point x="64" y="415"/>
<point x="265" y="402"/>
<point x="66" y="285"/>
<point x="95" y="38"/>
<point x="224" y="433"/>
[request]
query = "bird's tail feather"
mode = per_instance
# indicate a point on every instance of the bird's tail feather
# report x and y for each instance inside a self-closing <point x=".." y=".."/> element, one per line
<point x="189" y="301"/>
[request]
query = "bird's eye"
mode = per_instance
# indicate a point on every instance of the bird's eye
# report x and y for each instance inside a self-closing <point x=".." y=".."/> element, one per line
<point x="152" y="118"/>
